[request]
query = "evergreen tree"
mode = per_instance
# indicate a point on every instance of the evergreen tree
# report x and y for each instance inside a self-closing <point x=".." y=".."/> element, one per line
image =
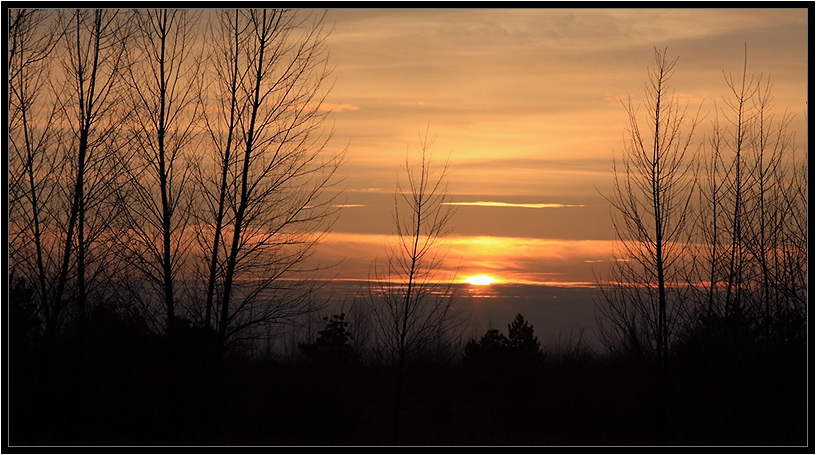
<point x="332" y="345"/>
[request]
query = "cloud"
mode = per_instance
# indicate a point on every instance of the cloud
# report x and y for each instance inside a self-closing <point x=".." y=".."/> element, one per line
<point x="415" y="103"/>
<point x="510" y="259"/>
<point x="347" y="206"/>
<point x="326" y="107"/>
<point x="334" y="107"/>
<point x="510" y="204"/>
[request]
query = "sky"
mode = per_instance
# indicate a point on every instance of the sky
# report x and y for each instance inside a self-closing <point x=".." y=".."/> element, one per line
<point x="525" y="104"/>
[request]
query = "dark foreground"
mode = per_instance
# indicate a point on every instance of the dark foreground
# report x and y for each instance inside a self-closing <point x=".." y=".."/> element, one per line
<point x="127" y="386"/>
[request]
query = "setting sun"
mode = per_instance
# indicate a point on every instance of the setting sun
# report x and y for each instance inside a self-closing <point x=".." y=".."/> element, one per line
<point x="481" y="280"/>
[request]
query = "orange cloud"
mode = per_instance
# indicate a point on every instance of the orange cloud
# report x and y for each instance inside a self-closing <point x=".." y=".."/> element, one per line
<point x="326" y="107"/>
<point x="334" y="107"/>
<point x="507" y="259"/>
<point x="510" y="204"/>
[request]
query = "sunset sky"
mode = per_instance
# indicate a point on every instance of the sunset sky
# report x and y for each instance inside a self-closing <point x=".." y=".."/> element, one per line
<point x="526" y="105"/>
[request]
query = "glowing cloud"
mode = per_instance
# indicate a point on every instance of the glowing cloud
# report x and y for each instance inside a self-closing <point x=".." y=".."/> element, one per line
<point x="325" y="107"/>
<point x="480" y="280"/>
<point x="333" y="107"/>
<point x="510" y="204"/>
<point x="507" y="260"/>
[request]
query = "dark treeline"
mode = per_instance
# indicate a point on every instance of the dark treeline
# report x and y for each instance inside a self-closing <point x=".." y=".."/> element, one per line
<point x="708" y="278"/>
<point x="503" y="388"/>
<point x="168" y="180"/>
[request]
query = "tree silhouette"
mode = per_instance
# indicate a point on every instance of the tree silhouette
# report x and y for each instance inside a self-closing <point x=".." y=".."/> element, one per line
<point x="520" y="338"/>
<point x="751" y="254"/>
<point x="651" y="199"/>
<point x="163" y="79"/>
<point x="24" y="323"/>
<point x="261" y="183"/>
<point x="489" y="347"/>
<point x="89" y="118"/>
<point x="32" y="163"/>
<point x="102" y="187"/>
<point x="411" y="308"/>
<point x="333" y="343"/>
<point x="487" y="359"/>
<point x="496" y="355"/>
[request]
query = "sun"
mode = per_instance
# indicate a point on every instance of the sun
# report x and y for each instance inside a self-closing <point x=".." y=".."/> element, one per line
<point x="481" y="280"/>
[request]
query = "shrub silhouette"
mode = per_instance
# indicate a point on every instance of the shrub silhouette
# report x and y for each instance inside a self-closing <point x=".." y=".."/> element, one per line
<point x="332" y="345"/>
<point x="24" y="323"/>
<point x="488" y="356"/>
<point x="496" y="355"/>
<point x="521" y="341"/>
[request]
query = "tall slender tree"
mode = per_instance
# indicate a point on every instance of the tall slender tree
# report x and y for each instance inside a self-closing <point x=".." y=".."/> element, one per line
<point x="748" y="204"/>
<point x="738" y="141"/>
<point x="164" y="82"/>
<point x="642" y="299"/>
<point x="263" y="204"/>
<point x="89" y="101"/>
<point x="33" y="35"/>
<point x="410" y="304"/>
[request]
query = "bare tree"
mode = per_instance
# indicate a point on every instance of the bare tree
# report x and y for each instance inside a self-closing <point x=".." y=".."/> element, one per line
<point x="164" y="81"/>
<point x="642" y="299"/>
<point x="411" y="306"/>
<point x="64" y="130"/>
<point x="738" y="140"/>
<point x="262" y="205"/>
<point x="791" y="256"/>
<point x="90" y="115"/>
<point x="749" y="207"/>
<point x="710" y="252"/>
<point x="764" y="201"/>
<point x="33" y="34"/>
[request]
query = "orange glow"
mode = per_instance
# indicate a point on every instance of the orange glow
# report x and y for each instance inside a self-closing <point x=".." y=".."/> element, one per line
<point x="508" y="204"/>
<point x="508" y="260"/>
<point x="481" y="280"/>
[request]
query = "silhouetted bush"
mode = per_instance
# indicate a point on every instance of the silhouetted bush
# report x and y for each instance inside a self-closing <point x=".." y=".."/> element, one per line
<point x="23" y="323"/>
<point x="496" y="355"/>
<point x="332" y="345"/>
<point x="735" y="386"/>
<point x="488" y="357"/>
